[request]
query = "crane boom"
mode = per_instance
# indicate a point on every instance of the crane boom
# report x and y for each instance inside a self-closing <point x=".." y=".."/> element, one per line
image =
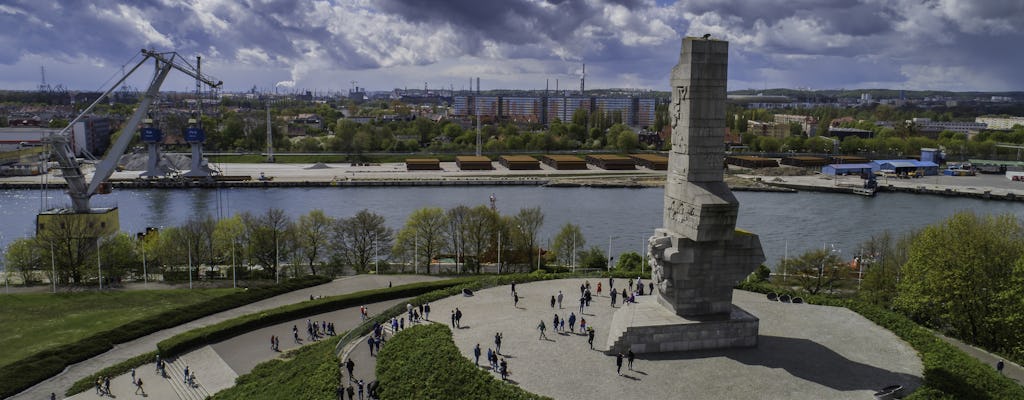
<point x="80" y="190"/>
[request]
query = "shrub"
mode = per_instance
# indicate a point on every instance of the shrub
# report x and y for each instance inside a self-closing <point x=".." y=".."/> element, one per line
<point x="422" y="362"/>
<point x="236" y="326"/>
<point x="31" y="370"/>
<point x="309" y="372"/>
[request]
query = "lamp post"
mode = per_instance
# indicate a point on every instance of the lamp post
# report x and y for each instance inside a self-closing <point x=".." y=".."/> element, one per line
<point x="145" y="273"/>
<point x="98" y="267"/>
<point x="376" y="259"/>
<point x="277" y="260"/>
<point x="234" y="276"/>
<point x="499" y="250"/>
<point x="190" y="262"/>
<point x="53" y="267"/>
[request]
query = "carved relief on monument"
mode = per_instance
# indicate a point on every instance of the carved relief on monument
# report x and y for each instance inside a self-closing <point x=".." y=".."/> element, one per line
<point x="659" y="274"/>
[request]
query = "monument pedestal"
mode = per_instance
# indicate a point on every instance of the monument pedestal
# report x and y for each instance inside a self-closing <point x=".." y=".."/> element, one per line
<point x="648" y="327"/>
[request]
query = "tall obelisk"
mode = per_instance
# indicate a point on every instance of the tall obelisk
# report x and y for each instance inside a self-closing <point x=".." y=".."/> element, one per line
<point x="698" y="256"/>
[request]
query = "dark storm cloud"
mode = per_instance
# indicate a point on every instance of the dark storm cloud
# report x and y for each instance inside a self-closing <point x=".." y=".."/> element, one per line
<point x="778" y="42"/>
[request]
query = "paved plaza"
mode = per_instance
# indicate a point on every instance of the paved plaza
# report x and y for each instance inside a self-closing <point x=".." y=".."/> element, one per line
<point x="804" y="351"/>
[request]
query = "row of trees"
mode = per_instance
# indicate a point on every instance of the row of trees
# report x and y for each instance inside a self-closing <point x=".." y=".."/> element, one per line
<point x="963" y="276"/>
<point x="313" y="243"/>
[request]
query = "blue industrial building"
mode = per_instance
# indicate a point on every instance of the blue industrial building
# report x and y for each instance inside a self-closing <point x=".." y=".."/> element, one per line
<point x="926" y="168"/>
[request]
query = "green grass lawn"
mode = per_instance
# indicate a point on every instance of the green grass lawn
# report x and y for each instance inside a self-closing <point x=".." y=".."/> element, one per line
<point x="30" y="323"/>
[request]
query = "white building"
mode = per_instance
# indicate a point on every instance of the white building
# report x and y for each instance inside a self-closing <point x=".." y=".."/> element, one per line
<point x="926" y="125"/>
<point x="1000" y="123"/>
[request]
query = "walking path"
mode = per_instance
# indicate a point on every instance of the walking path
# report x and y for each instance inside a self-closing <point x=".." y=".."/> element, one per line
<point x="1010" y="369"/>
<point x="61" y="382"/>
<point x="804" y="351"/>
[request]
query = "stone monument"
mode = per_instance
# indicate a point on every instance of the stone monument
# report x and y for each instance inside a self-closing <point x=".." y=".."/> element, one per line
<point x="699" y="255"/>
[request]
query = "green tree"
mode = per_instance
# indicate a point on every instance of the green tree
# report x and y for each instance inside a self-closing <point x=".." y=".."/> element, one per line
<point x="594" y="258"/>
<point x="567" y="244"/>
<point x="879" y="262"/>
<point x="959" y="277"/>
<point x="23" y="255"/>
<point x="629" y="261"/>
<point x="312" y="232"/>
<point x="422" y="237"/>
<point x="815" y="270"/>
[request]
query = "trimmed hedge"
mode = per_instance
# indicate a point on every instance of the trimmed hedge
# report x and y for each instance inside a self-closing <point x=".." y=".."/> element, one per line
<point x="948" y="372"/>
<point x="36" y="368"/>
<point x="113" y="370"/>
<point x="422" y="362"/>
<point x="309" y="372"/>
<point x="237" y="326"/>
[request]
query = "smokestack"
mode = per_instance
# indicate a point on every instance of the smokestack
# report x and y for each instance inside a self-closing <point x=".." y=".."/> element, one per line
<point x="583" y="80"/>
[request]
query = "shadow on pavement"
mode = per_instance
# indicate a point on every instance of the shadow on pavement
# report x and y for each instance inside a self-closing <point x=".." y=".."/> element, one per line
<point x="806" y="360"/>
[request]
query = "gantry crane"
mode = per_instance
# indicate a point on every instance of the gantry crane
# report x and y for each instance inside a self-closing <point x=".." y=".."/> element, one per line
<point x="78" y="188"/>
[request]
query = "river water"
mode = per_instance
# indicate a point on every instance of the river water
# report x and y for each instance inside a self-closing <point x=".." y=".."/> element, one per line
<point x="792" y="222"/>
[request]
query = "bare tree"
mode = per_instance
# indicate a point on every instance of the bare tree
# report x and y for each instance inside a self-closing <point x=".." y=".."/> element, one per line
<point x="528" y="222"/>
<point x="481" y="231"/>
<point x="361" y="238"/>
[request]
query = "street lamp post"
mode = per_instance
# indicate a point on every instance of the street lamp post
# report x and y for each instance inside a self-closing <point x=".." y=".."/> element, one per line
<point x="53" y="267"/>
<point x="145" y="273"/>
<point x="98" y="267"/>
<point x="190" y="263"/>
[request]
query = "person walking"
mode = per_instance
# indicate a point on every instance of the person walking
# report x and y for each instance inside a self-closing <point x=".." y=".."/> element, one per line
<point x="360" y="383"/>
<point x="552" y="301"/>
<point x="583" y="301"/>
<point x="999" y="366"/>
<point x="350" y="365"/>
<point x="590" y="337"/>
<point x="133" y="375"/>
<point x="561" y="324"/>
<point x="513" y="287"/>
<point x="503" y="367"/>
<point x="497" y="342"/>
<point x="650" y="285"/>
<point x="458" y="318"/>
<point x="559" y="299"/>
<point x="630" y="357"/>
<point x="369" y="342"/>
<point x="185" y="378"/>
<point x="515" y="299"/>
<point x="351" y="392"/>
<point x="599" y="288"/>
<point x="613" y="294"/>
<point x="555" y="326"/>
<point x="453" y="318"/>
<point x="618" y="364"/>
<point x="630" y="284"/>
<point x="572" y="322"/>
<point x="476" y="354"/>
<point x="138" y="387"/>
<point x="426" y="311"/>
<point x="541" y="327"/>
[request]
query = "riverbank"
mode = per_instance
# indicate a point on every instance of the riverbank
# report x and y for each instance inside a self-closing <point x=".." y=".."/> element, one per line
<point x="991" y="187"/>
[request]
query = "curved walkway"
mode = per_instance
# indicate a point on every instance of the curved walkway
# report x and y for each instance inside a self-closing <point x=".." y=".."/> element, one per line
<point x="804" y="351"/>
<point x="61" y="382"/>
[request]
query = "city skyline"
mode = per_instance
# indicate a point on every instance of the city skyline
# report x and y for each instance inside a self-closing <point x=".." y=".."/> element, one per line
<point x="518" y="44"/>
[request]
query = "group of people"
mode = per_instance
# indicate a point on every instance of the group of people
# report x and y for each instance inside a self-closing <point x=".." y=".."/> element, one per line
<point x="415" y="313"/>
<point x="496" y="363"/>
<point x="103" y="386"/>
<point x="456" y="318"/>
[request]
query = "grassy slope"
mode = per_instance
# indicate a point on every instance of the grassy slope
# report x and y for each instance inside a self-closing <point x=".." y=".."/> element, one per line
<point x="309" y="372"/>
<point x="33" y="322"/>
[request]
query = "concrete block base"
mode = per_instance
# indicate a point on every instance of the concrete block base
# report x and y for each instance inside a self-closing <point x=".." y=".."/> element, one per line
<point x="647" y="327"/>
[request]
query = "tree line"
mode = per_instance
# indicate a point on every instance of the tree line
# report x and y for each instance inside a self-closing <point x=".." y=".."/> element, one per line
<point x="462" y="239"/>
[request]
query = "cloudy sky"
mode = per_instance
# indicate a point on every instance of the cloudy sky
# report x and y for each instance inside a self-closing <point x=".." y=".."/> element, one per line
<point x="384" y="44"/>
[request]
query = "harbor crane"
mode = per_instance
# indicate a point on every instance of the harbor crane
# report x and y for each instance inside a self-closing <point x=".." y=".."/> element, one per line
<point x="80" y="190"/>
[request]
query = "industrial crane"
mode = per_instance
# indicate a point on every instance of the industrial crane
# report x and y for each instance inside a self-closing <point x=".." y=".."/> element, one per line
<point x="78" y="188"/>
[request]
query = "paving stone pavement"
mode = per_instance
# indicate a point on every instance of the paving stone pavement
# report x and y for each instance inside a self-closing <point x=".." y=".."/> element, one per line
<point x="61" y="382"/>
<point x="804" y="351"/>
